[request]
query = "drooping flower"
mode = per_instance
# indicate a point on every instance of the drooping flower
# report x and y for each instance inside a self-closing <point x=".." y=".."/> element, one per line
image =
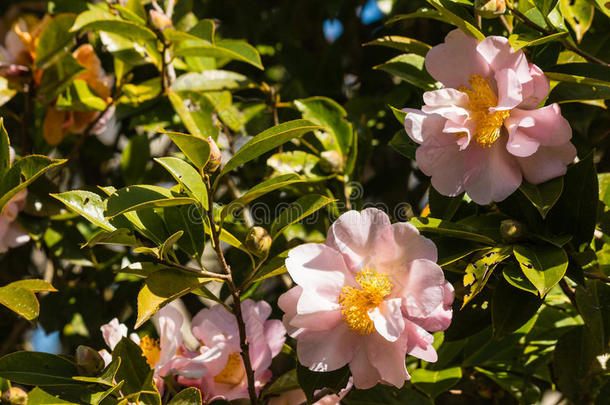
<point x="163" y="355"/>
<point x="11" y="233"/>
<point x="367" y="297"/>
<point x="219" y="355"/>
<point x="482" y="133"/>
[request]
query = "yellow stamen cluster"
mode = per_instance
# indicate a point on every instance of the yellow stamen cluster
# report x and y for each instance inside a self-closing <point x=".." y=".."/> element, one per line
<point x="355" y="303"/>
<point x="481" y="98"/>
<point x="150" y="350"/>
<point x="234" y="371"/>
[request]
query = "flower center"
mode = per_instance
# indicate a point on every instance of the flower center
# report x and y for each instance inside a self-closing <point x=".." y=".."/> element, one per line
<point x="150" y="350"/>
<point x="355" y="303"/>
<point x="234" y="371"/>
<point x="481" y="98"/>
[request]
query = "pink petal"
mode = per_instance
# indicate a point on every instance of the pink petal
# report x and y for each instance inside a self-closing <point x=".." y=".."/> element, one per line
<point x="536" y="90"/>
<point x="440" y="318"/>
<point x="491" y="174"/>
<point x="321" y="320"/>
<point x="216" y="326"/>
<point x="423" y="288"/>
<point x="170" y="322"/>
<point x="411" y="245"/>
<point x="422" y="127"/>
<point x="360" y="236"/>
<point x="509" y="90"/>
<point x="319" y="269"/>
<point x="454" y="61"/>
<point x="389" y="358"/>
<point x="327" y="350"/>
<point x="288" y="303"/>
<point x="547" y="163"/>
<point x="275" y="335"/>
<point x="448" y="103"/>
<point x="113" y="332"/>
<point x="546" y="125"/>
<point x="364" y="374"/>
<point x="498" y="53"/>
<point x="388" y="319"/>
<point x="419" y="343"/>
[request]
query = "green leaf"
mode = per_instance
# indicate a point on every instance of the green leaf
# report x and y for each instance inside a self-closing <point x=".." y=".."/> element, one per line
<point x="87" y="204"/>
<point x="403" y="144"/>
<point x="399" y="114"/>
<point x="35" y="368"/>
<point x="27" y="169"/>
<point x="187" y="177"/>
<point x="99" y="19"/>
<point x="603" y="6"/>
<point x="5" y="158"/>
<point x="543" y="265"/>
<point x="543" y="196"/>
<point x="168" y="245"/>
<point x="545" y="6"/>
<point x="518" y="41"/>
<point x="268" y="140"/>
<point x="34" y="285"/>
<point x="403" y="44"/>
<point x="6" y="91"/>
<point x="310" y="381"/>
<point x="580" y="73"/>
<point x="162" y="287"/>
<point x="515" y="277"/>
<point x="189" y="219"/>
<point x="478" y="272"/>
<point x="107" y="377"/>
<point x="195" y="148"/>
<point x="330" y="115"/>
<point x="511" y="308"/>
<point x="385" y="395"/>
<point x="57" y="77"/>
<point x="259" y="190"/>
<point x="441" y="206"/>
<point x="211" y="80"/>
<point x="188" y="396"/>
<point x="20" y="300"/>
<point x="301" y="208"/>
<point x="450" y="229"/>
<point x="79" y="97"/>
<point x="297" y="162"/>
<point x="453" y="14"/>
<point x="604" y="187"/>
<point x="198" y="118"/>
<point x="410" y="68"/>
<point x="134" y="158"/>
<point x="135" y="372"/>
<point x="579" y="14"/>
<point x="423" y="12"/>
<point x="39" y="397"/>
<point x="227" y="48"/>
<point x="55" y="37"/>
<point x="566" y="92"/>
<point x="435" y="382"/>
<point x="132" y="198"/>
<point x="286" y="382"/>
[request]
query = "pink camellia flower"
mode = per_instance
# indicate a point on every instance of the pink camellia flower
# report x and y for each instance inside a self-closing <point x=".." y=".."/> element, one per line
<point x="11" y="233"/>
<point x="483" y="132"/>
<point x="366" y="297"/>
<point x="164" y="356"/>
<point x="225" y="375"/>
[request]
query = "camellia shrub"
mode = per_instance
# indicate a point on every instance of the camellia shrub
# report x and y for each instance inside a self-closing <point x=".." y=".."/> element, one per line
<point x="226" y="201"/>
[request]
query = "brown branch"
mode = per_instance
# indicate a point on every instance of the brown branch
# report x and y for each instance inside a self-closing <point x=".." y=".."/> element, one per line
<point x="235" y="293"/>
<point x="204" y="273"/>
<point x="568" y="291"/>
<point x="597" y="276"/>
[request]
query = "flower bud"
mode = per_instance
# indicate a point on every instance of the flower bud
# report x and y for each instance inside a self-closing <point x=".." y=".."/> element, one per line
<point x="490" y="8"/>
<point x="159" y="20"/>
<point x="511" y="230"/>
<point x="258" y="241"/>
<point x="88" y="361"/>
<point x="15" y="396"/>
<point x="215" y="157"/>
<point x="331" y="161"/>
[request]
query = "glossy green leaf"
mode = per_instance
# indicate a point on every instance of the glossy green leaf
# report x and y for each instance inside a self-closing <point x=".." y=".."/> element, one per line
<point x="21" y="301"/>
<point x="99" y="19"/>
<point x="259" y="190"/>
<point x="35" y="368"/>
<point x="301" y="208"/>
<point x="453" y="14"/>
<point x="23" y="173"/>
<point x="132" y="198"/>
<point x="55" y="37"/>
<point x="543" y="196"/>
<point x="297" y="162"/>
<point x="410" y="68"/>
<point x="34" y="285"/>
<point x="330" y="115"/>
<point x="226" y="48"/>
<point x="403" y="144"/>
<point x="195" y="112"/>
<point x="450" y="229"/>
<point x="435" y="382"/>
<point x="135" y="158"/>
<point x="168" y="245"/>
<point x="545" y="6"/>
<point x="188" y="396"/>
<point x="57" y="77"/>
<point x="511" y="308"/>
<point x="187" y="218"/>
<point x="286" y="382"/>
<point x="580" y="73"/>
<point x="543" y="265"/>
<point x="87" y="204"/>
<point x="211" y="80"/>
<point x="515" y="277"/>
<point x="403" y="44"/>
<point x="423" y="12"/>
<point x="135" y="373"/>
<point x="268" y="140"/>
<point x="518" y="41"/>
<point x="566" y="92"/>
<point x="579" y="14"/>
<point x="604" y="187"/>
<point x="6" y="91"/>
<point x="79" y="97"/>
<point x="310" y="381"/>
<point x="382" y="395"/>
<point x="107" y="377"/>
<point x="477" y="272"/>
<point x="162" y="287"/>
<point x="39" y="397"/>
<point x="5" y="161"/>
<point x="196" y="148"/>
<point x="187" y="177"/>
<point x="441" y="206"/>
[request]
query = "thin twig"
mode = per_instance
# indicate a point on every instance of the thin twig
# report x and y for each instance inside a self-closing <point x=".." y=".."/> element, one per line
<point x="235" y="293"/>
<point x="26" y="143"/>
<point x="204" y="273"/>
<point x="568" y="291"/>
<point x="596" y="276"/>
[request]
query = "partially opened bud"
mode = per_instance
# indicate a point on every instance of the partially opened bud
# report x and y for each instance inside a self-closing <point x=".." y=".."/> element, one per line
<point x="331" y="161"/>
<point x="88" y="361"/>
<point x="15" y="396"/>
<point x="159" y="20"/>
<point x="258" y="241"/>
<point x="215" y="157"/>
<point x="490" y="8"/>
<point x="511" y="230"/>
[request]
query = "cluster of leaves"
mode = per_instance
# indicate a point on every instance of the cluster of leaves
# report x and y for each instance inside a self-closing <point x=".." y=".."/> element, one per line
<point x="533" y="290"/>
